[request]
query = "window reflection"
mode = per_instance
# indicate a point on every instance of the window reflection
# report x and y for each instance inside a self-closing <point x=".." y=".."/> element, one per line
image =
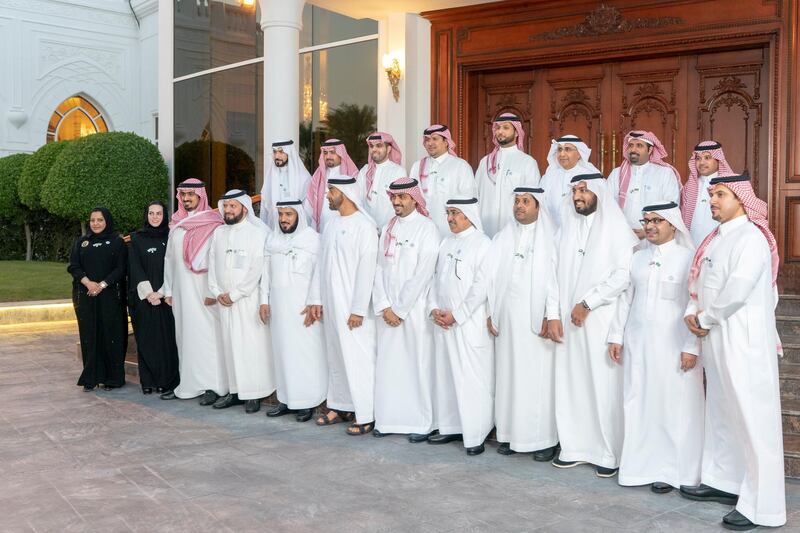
<point x="321" y="26"/>
<point x="73" y="118"/>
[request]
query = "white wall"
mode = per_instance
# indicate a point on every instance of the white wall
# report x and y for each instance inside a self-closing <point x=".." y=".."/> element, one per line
<point x="53" y="49"/>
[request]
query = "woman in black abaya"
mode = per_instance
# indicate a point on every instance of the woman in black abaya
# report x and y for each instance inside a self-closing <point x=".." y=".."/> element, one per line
<point x="97" y="265"/>
<point x="153" y="323"/>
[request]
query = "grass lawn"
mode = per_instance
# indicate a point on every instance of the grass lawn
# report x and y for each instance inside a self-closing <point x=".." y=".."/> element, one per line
<point x="34" y="280"/>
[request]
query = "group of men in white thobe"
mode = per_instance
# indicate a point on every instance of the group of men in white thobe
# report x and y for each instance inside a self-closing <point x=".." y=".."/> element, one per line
<point x="556" y="309"/>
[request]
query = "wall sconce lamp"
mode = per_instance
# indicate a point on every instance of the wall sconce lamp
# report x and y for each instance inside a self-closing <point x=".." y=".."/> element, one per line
<point x="392" y="67"/>
<point x="247" y="3"/>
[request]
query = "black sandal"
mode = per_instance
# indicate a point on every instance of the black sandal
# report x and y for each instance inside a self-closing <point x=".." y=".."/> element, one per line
<point x="338" y="419"/>
<point x="359" y="429"/>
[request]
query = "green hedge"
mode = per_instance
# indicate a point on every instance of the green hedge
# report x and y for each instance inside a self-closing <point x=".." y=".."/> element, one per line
<point x="10" y="170"/>
<point x="118" y="170"/>
<point x="35" y="172"/>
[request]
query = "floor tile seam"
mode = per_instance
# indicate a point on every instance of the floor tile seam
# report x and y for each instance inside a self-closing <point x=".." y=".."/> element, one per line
<point x="63" y="497"/>
<point x="170" y="485"/>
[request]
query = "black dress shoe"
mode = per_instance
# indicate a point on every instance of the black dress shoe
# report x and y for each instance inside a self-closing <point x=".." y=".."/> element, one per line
<point x="660" y="488"/>
<point x="737" y="521"/>
<point x="414" y="438"/>
<point x="147" y="390"/>
<point x="444" y="439"/>
<point x="209" y="398"/>
<point x="558" y="463"/>
<point x="280" y="410"/>
<point x="602" y="471"/>
<point x="704" y="493"/>
<point x="169" y="395"/>
<point x="379" y="435"/>
<point x="544" y="456"/>
<point x="160" y="390"/>
<point x="252" y="406"/>
<point x="304" y="415"/>
<point x="229" y="400"/>
<point x="475" y="450"/>
<point x="505" y="449"/>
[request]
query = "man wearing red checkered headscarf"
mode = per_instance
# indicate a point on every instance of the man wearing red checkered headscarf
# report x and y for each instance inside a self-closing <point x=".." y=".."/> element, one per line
<point x="707" y="162"/>
<point x="507" y="166"/>
<point x="404" y="371"/>
<point x="384" y="166"/>
<point x="643" y="178"/>
<point x="732" y="309"/>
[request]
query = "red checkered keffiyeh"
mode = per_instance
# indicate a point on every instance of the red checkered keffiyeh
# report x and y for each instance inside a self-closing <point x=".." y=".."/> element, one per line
<point x="656" y="157"/>
<point x="436" y="129"/>
<point x="408" y="186"/>
<point x="318" y="186"/>
<point x="691" y="189"/>
<point x="395" y="155"/>
<point x="491" y="161"/>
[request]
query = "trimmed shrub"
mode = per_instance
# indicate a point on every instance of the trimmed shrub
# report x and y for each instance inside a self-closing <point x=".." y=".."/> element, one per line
<point x="121" y="171"/>
<point x="35" y="172"/>
<point x="10" y="170"/>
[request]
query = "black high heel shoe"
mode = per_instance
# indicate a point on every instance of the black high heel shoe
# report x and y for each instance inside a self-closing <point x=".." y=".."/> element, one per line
<point x="147" y="390"/>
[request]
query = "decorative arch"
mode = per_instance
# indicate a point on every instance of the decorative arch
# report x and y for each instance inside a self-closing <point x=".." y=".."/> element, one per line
<point x="75" y="117"/>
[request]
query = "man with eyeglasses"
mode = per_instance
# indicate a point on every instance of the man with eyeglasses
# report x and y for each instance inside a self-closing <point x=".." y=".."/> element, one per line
<point x="662" y="383"/>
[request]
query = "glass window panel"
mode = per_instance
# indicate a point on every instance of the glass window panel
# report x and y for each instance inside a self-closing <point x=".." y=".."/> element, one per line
<point x="101" y="124"/>
<point x="90" y="109"/>
<point x="321" y="26"/>
<point x="338" y="89"/>
<point x="55" y="118"/>
<point x="74" y="125"/>
<point x="219" y="129"/>
<point x="213" y="33"/>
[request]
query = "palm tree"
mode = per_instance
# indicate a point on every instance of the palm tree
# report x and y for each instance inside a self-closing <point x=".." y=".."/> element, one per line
<point x="352" y="124"/>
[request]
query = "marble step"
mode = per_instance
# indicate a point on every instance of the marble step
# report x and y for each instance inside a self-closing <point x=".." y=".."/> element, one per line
<point x="788" y="304"/>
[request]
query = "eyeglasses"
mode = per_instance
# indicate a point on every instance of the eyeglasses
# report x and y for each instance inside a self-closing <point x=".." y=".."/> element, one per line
<point x="655" y="221"/>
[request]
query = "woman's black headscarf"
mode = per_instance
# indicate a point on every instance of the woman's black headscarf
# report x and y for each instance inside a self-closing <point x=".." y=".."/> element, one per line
<point x="162" y="230"/>
<point x="109" y="229"/>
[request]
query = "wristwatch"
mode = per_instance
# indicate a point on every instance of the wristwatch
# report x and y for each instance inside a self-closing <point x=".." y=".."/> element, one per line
<point x="585" y="305"/>
<point x="103" y="284"/>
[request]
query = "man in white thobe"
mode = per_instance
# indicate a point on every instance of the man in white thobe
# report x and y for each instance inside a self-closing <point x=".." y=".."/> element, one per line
<point x="520" y="272"/>
<point x="404" y="372"/>
<point x="235" y="262"/>
<point x="285" y="179"/>
<point x="706" y="163"/>
<point x="643" y="178"/>
<point x="499" y="172"/>
<point x="201" y="363"/>
<point x="334" y="162"/>
<point x="594" y="254"/>
<point x="385" y="166"/>
<point x="298" y="342"/>
<point x="442" y="175"/>
<point x="568" y="157"/>
<point x="732" y="309"/>
<point x="663" y="395"/>
<point x="464" y="388"/>
<point x="342" y="289"/>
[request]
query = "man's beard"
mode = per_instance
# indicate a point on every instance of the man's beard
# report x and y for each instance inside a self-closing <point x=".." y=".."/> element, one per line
<point x="280" y="163"/>
<point x="506" y="142"/>
<point x="234" y="219"/>
<point x="291" y="229"/>
<point x="634" y="158"/>
<point x="588" y="208"/>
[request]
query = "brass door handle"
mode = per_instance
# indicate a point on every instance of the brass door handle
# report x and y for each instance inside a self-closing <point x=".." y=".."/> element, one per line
<point x="601" y="141"/>
<point x="613" y="148"/>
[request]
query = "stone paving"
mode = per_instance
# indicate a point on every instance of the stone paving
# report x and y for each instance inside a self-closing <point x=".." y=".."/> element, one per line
<point x="121" y="461"/>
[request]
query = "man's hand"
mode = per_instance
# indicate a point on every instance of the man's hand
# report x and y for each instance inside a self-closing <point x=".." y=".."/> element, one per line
<point x="492" y="330"/>
<point x="390" y="318"/>
<point x="688" y="361"/>
<point x="579" y="314"/>
<point x="615" y="352"/>
<point x="313" y="313"/>
<point x="209" y="301"/>
<point x="225" y="299"/>
<point x="355" y="321"/>
<point x="639" y="233"/>
<point x="693" y="324"/>
<point x="543" y="330"/>
<point x="263" y="313"/>
<point x="168" y="299"/>
<point x="555" y="330"/>
<point x="445" y="319"/>
<point x="154" y="298"/>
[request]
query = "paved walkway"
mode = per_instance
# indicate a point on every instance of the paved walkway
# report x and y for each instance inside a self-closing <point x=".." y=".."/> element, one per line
<point x="121" y="461"/>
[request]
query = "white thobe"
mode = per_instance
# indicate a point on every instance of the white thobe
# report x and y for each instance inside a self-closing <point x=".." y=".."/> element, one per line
<point x="201" y="364"/>
<point x="285" y="187"/>
<point x="515" y="168"/>
<point x="524" y="362"/>
<point x="663" y="405"/>
<point x="743" y="447"/>
<point x="377" y="202"/>
<point x="235" y="262"/>
<point x="448" y="177"/>
<point x="301" y="367"/>
<point x="588" y="384"/>
<point x="649" y="184"/>
<point x="346" y="273"/>
<point x="702" y="223"/>
<point x="464" y="387"/>
<point x="327" y="213"/>
<point x="556" y="185"/>
<point x="404" y="372"/>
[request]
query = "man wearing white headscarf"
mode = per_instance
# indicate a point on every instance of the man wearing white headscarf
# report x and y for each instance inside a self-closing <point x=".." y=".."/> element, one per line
<point x="342" y="289"/>
<point x="663" y="398"/>
<point x="464" y="388"/>
<point x="235" y="262"/>
<point x="521" y="278"/>
<point x="594" y="254"/>
<point x="298" y="342"/>
<point x="507" y="166"/>
<point x="568" y="157"/>
<point x="404" y="371"/>
<point x="384" y="166"/>
<point x="442" y="174"/>
<point x="286" y="178"/>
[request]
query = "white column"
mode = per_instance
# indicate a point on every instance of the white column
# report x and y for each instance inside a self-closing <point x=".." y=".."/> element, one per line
<point x="281" y="22"/>
<point x="166" y="111"/>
